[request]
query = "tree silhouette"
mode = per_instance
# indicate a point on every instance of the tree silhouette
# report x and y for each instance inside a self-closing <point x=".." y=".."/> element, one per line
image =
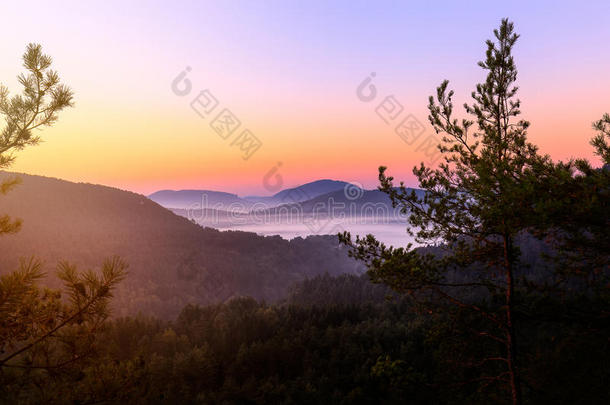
<point x="40" y="331"/>
<point x="42" y="98"/>
<point x="600" y="141"/>
<point x="477" y="204"/>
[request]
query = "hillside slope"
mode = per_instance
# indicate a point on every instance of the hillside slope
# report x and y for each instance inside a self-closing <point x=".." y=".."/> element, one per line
<point x="172" y="261"/>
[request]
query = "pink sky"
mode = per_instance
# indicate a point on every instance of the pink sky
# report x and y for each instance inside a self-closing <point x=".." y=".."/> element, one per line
<point x="289" y="73"/>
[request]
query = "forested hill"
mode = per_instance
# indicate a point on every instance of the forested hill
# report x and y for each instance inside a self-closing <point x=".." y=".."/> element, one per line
<point x="172" y="261"/>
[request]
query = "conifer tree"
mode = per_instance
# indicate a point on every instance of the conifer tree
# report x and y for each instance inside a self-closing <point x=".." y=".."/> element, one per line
<point x="40" y="331"/>
<point x="42" y="98"/>
<point x="476" y="205"/>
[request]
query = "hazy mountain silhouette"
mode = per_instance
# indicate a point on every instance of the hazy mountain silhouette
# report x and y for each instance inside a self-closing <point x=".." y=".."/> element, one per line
<point x="187" y="199"/>
<point x="218" y="200"/>
<point x="308" y="191"/>
<point x="319" y="196"/>
<point x="172" y="260"/>
<point x="347" y="205"/>
<point x="352" y="201"/>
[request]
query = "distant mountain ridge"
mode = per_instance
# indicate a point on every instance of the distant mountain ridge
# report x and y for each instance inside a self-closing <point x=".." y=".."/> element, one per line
<point x="353" y="201"/>
<point x="310" y="190"/>
<point x="202" y="199"/>
<point x="199" y="198"/>
<point x="302" y="210"/>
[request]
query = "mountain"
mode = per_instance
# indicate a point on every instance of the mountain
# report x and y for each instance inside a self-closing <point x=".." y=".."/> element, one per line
<point x="172" y="260"/>
<point x="309" y="190"/>
<point x="351" y="201"/>
<point x="351" y="208"/>
<point x="190" y="199"/>
<point x="218" y="200"/>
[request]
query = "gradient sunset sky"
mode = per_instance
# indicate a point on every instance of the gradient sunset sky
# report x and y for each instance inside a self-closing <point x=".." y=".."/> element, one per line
<point x="289" y="72"/>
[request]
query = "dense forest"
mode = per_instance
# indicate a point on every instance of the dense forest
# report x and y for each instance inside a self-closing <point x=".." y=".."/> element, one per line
<point x="336" y="340"/>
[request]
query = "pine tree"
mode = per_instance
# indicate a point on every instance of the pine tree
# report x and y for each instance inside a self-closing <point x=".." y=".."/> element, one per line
<point x="600" y="141"/>
<point x="476" y="205"/>
<point x="43" y="97"/>
<point x="574" y="215"/>
<point x="40" y="332"/>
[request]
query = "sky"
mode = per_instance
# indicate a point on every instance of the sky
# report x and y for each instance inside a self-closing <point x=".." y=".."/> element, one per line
<point x="289" y="71"/>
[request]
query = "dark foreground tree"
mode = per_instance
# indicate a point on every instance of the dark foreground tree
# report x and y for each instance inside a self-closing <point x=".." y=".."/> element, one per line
<point x="479" y="206"/>
<point x="601" y="141"/>
<point x="42" y="334"/>
<point x="43" y="97"/>
<point x="578" y="216"/>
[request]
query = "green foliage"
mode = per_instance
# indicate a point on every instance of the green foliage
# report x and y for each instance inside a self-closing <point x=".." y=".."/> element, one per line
<point x="372" y="350"/>
<point x="600" y="141"/>
<point x="247" y="352"/>
<point x="41" y="334"/>
<point x="42" y="98"/>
